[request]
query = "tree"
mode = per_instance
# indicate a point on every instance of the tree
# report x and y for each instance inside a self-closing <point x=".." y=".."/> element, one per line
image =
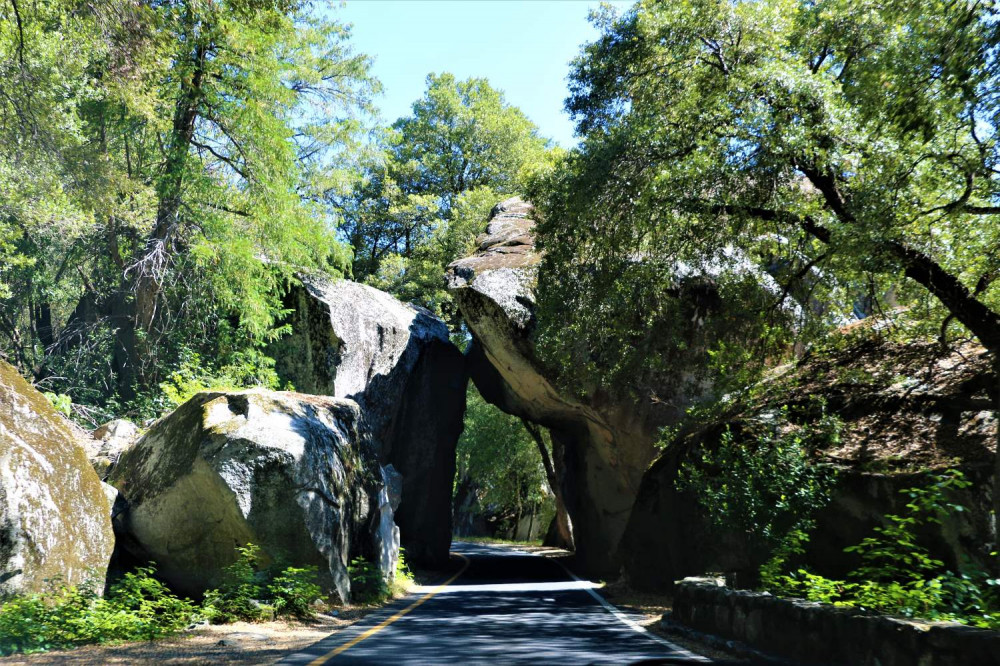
<point x="499" y="456"/>
<point x="423" y="200"/>
<point x="204" y="134"/>
<point x="860" y="137"/>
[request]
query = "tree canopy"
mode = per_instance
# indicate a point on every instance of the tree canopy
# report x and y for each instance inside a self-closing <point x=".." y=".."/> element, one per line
<point x="846" y="146"/>
<point x="165" y="166"/>
<point x="424" y="197"/>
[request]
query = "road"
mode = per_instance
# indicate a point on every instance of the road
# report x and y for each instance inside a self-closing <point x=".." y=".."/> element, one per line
<point x="504" y="607"/>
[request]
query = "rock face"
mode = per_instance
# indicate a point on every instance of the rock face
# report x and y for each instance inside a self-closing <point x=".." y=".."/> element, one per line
<point x="601" y="447"/>
<point x="353" y="341"/>
<point x="55" y="520"/>
<point x="108" y="442"/>
<point x="291" y="473"/>
<point x="904" y="408"/>
<point x="604" y="442"/>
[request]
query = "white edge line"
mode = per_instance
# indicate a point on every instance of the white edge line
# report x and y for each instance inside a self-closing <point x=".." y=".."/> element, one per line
<point x="624" y="618"/>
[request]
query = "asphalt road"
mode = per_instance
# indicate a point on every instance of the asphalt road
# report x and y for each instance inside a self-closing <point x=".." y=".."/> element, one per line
<point x="505" y="607"/>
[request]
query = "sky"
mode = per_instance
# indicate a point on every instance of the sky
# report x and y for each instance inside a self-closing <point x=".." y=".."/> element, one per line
<point x="522" y="46"/>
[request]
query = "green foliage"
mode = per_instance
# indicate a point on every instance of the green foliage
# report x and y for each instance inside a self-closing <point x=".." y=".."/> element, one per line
<point x="247" y="369"/>
<point x="841" y="146"/>
<point x="425" y="197"/>
<point x="294" y="591"/>
<point x="898" y="575"/>
<point x="402" y="579"/>
<point x="367" y="584"/>
<point x="161" y="171"/>
<point x="138" y="607"/>
<point x="62" y="402"/>
<point x="763" y="482"/>
<point x="238" y="598"/>
<point x="497" y="454"/>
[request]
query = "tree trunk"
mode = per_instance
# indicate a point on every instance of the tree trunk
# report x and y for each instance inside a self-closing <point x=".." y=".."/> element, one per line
<point x="563" y="534"/>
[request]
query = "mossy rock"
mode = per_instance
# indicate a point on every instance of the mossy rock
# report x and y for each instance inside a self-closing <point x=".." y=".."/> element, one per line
<point x="55" y="519"/>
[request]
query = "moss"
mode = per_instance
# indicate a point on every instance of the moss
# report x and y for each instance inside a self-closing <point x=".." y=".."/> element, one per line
<point x="54" y="508"/>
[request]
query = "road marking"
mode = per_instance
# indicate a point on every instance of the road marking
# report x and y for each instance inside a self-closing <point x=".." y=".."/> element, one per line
<point x="385" y="623"/>
<point x="627" y="620"/>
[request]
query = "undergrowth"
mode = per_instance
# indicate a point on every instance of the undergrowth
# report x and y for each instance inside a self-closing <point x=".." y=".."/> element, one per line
<point x="368" y="586"/>
<point x="140" y="607"/>
<point x="897" y="574"/>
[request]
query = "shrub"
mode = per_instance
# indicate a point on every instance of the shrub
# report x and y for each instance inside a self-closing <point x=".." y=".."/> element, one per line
<point x="138" y="607"/>
<point x="897" y="574"/>
<point x="242" y="586"/>
<point x="294" y="591"/>
<point x="367" y="584"/>
<point x="403" y="578"/>
<point x="762" y="482"/>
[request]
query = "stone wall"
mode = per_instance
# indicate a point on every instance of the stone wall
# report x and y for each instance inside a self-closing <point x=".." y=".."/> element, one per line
<point x="813" y="633"/>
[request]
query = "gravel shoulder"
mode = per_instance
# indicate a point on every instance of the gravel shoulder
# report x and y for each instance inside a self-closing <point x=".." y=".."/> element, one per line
<point x="238" y="643"/>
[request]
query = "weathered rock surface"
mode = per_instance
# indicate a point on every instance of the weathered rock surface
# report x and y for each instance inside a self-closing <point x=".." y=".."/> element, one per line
<point x="905" y="408"/>
<point x="55" y="519"/>
<point x="353" y="341"/>
<point x="604" y="442"/>
<point x="108" y="442"/>
<point x="291" y="473"/>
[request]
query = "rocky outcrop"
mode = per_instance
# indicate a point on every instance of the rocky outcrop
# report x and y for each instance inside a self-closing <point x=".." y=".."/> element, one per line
<point x="605" y="441"/>
<point x="108" y="442"/>
<point x="905" y="409"/>
<point x="55" y="520"/>
<point x="353" y="341"/>
<point x="291" y="473"/>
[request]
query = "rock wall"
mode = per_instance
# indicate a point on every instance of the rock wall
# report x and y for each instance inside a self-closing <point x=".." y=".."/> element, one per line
<point x="353" y="341"/>
<point x="825" y="634"/>
<point x="291" y="473"/>
<point x="55" y="517"/>
<point x="904" y="408"/>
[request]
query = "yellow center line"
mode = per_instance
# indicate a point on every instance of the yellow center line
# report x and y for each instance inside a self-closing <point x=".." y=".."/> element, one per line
<point x="385" y="623"/>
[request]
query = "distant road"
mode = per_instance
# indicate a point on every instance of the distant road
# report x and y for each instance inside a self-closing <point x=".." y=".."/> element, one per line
<point x="503" y="607"/>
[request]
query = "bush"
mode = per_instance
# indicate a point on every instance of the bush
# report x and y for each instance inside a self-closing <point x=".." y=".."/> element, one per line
<point x="139" y="607"/>
<point x="403" y="578"/>
<point x="294" y="591"/>
<point x="897" y="574"/>
<point x="367" y="584"/>
<point x="242" y="586"/>
<point x="762" y="482"/>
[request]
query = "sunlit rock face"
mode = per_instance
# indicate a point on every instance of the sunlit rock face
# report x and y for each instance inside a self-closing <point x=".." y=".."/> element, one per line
<point x="294" y="474"/>
<point x="107" y="442"/>
<point x="605" y="441"/>
<point x="55" y="518"/>
<point x="396" y="360"/>
<point x="602" y="447"/>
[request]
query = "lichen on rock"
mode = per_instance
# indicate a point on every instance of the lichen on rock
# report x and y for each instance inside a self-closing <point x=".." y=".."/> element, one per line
<point x="291" y="473"/>
<point x="55" y="518"/>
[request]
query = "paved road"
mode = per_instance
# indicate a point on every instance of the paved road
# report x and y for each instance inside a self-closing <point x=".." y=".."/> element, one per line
<point x="506" y="607"/>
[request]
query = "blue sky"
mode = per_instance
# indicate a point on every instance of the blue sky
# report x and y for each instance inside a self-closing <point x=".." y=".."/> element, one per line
<point x="522" y="46"/>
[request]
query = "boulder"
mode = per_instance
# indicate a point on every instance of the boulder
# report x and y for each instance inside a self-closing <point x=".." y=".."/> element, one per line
<point x="108" y="442"/>
<point x="291" y="473"/>
<point x="353" y="341"/>
<point x="905" y="409"/>
<point x="603" y="440"/>
<point x="55" y="518"/>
